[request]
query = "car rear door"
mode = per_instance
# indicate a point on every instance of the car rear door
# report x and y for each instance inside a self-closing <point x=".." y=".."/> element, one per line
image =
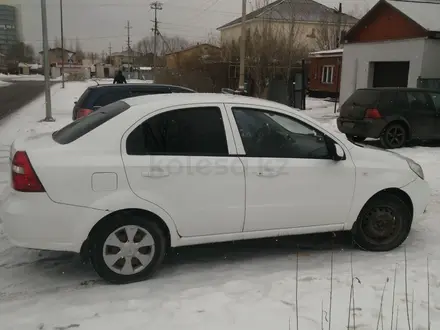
<point x="422" y="115"/>
<point x="184" y="160"/>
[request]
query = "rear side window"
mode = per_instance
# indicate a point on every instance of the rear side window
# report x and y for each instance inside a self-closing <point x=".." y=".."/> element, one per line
<point x="364" y="97"/>
<point x="83" y="97"/>
<point x="82" y="126"/>
<point x="111" y="96"/>
<point x="186" y="132"/>
<point x="420" y="101"/>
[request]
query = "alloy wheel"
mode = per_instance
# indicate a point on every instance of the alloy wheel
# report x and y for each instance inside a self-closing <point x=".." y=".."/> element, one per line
<point x="395" y="136"/>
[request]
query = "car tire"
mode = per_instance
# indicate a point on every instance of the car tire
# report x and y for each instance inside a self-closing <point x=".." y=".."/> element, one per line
<point x="374" y="221"/>
<point x="129" y="248"/>
<point x="394" y="136"/>
<point x="355" y="138"/>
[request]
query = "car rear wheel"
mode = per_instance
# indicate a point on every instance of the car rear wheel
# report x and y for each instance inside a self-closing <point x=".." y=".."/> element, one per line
<point x="128" y="249"/>
<point x="394" y="136"/>
<point x="383" y="224"/>
<point x="355" y="138"/>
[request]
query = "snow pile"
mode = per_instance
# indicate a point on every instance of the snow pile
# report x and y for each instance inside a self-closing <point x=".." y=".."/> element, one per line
<point x="4" y="83"/>
<point x="244" y="285"/>
<point x="32" y="77"/>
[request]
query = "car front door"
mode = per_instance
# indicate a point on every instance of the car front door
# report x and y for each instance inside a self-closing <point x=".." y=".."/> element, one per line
<point x="291" y="180"/>
<point x="422" y="115"/>
<point x="184" y="160"/>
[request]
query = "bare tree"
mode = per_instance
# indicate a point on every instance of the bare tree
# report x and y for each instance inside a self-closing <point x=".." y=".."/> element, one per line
<point x="20" y="52"/>
<point x="79" y="51"/>
<point x="57" y="43"/>
<point x="272" y="49"/>
<point x="174" y="44"/>
<point x="145" y="46"/>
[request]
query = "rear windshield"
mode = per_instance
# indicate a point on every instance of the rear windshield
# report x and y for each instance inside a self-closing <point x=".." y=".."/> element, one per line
<point x="363" y="97"/>
<point x="83" y="97"/>
<point x="84" y="125"/>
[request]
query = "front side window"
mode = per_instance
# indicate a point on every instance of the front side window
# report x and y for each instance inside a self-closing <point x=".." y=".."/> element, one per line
<point x="327" y="74"/>
<point x="269" y="134"/>
<point x="185" y="132"/>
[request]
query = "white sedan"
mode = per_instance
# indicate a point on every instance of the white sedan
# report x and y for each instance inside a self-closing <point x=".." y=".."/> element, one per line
<point x="141" y="175"/>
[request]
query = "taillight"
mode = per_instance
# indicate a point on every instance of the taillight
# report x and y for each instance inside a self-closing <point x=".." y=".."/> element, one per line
<point x="24" y="177"/>
<point x="83" y="112"/>
<point x="372" y="114"/>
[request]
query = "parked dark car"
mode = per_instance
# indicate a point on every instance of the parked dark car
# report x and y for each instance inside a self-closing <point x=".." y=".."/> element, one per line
<point x="394" y="115"/>
<point x="98" y="96"/>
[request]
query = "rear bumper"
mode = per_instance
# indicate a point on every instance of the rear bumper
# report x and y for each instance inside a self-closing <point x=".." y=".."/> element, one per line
<point x="33" y="220"/>
<point x="420" y="194"/>
<point x="371" y="128"/>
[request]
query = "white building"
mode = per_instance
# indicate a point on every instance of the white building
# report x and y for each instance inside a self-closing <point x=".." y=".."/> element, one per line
<point x="396" y="44"/>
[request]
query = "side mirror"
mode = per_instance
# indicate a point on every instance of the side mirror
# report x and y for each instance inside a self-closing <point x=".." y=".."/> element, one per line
<point x="75" y="102"/>
<point x="335" y="150"/>
<point x="339" y="152"/>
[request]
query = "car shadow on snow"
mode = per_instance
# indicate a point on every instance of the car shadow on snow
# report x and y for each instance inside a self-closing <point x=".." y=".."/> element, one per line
<point x="66" y="271"/>
<point x="218" y="254"/>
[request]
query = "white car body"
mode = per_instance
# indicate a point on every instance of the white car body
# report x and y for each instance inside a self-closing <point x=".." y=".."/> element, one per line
<point x="199" y="199"/>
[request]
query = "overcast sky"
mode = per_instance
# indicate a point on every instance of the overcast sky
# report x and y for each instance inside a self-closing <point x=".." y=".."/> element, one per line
<point x="100" y="22"/>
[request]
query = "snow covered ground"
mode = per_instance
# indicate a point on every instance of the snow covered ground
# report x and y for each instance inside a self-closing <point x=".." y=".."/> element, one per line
<point x="245" y="285"/>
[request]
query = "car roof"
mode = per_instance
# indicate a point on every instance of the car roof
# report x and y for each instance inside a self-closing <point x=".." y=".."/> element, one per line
<point x="142" y="85"/>
<point x="405" y="89"/>
<point x="170" y="100"/>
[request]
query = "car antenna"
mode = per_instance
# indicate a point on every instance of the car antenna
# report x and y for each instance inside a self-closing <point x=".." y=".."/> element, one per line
<point x="97" y="83"/>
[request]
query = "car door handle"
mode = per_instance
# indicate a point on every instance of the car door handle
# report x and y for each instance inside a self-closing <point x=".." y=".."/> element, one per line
<point x="267" y="173"/>
<point x="156" y="172"/>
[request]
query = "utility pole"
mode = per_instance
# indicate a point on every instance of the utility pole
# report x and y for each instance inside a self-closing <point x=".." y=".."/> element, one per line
<point x="62" y="43"/>
<point x="338" y="40"/>
<point x="155" y="6"/>
<point x="128" y="27"/>
<point x="46" y="62"/>
<point x="242" y="46"/>
<point x="110" y="52"/>
<point x="338" y="44"/>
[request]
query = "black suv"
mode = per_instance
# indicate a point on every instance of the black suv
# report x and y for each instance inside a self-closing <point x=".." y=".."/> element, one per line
<point x="395" y="115"/>
<point x="98" y="96"/>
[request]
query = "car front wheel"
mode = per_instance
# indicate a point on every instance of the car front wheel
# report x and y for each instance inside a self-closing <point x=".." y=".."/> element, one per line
<point x="383" y="224"/>
<point x="128" y="249"/>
